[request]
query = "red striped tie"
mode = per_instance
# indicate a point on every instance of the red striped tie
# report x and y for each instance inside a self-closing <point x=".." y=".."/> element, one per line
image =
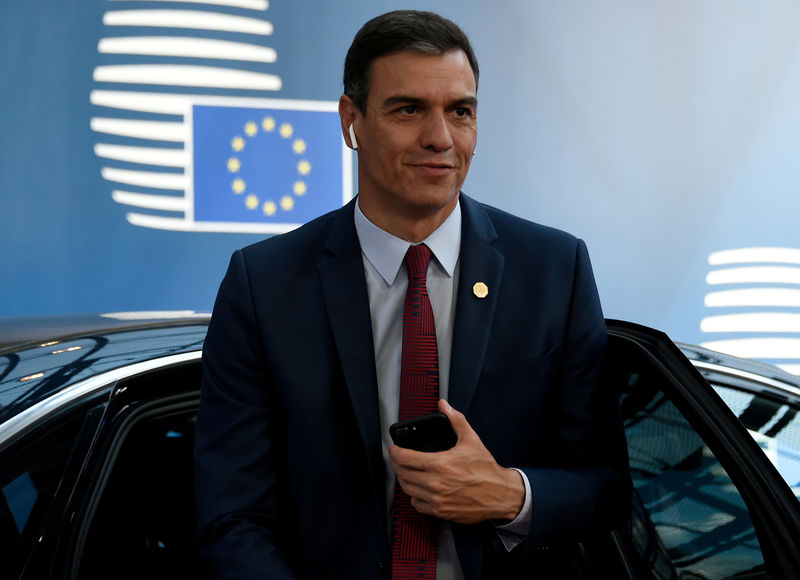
<point x="414" y="544"/>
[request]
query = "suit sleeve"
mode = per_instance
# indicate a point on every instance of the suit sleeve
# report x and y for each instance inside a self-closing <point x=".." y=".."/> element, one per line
<point x="587" y="490"/>
<point x="235" y="469"/>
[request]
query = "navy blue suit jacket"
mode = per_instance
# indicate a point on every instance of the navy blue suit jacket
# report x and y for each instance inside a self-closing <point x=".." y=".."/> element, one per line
<point x="290" y="476"/>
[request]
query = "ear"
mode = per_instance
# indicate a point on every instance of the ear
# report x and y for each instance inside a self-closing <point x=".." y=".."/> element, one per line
<point x="348" y="113"/>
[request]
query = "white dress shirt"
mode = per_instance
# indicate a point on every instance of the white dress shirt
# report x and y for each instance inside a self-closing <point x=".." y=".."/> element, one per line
<point x="383" y="255"/>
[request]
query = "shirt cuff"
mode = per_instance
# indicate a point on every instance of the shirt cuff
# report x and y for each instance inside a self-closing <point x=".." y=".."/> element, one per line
<point x="514" y="532"/>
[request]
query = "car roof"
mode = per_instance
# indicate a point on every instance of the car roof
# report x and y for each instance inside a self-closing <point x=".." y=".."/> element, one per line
<point x="751" y="375"/>
<point x="16" y="331"/>
<point x="74" y="349"/>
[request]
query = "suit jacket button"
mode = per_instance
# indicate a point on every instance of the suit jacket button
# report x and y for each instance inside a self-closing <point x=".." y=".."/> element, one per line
<point x="381" y="568"/>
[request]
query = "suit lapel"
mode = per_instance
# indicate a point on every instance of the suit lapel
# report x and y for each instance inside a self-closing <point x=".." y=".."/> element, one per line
<point x="479" y="263"/>
<point x="345" y="293"/>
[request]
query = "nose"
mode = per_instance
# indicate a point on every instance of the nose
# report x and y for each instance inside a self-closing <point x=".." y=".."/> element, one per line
<point x="436" y="132"/>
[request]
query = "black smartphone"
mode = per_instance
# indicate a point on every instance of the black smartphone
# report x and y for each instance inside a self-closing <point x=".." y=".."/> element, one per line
<point x="427" y="433"/>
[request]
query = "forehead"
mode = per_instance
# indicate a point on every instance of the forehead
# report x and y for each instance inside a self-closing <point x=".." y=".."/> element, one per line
<point x="418" y="74"/>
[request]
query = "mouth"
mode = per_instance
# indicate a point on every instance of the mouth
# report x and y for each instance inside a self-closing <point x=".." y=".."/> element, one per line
<point x="433" y="168"/>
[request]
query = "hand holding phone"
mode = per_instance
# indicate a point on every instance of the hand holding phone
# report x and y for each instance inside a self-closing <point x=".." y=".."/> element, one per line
<point x="429" y="433"/>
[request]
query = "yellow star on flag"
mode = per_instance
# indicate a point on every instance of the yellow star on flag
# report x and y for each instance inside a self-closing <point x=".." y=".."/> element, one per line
<point x="251" y="128"/>
<point x="304" y="167"/>
<point x="270" y="208"/>
<point x="300" y="187"/>
<point x="287" y="203"/>
<point x="299" y="146"/>
<point x="237" y="143"/>
<point x="251" y="202"/>
<point x="234" y="165"/>
<point x="239" y="185"/>
<point x="268" y="124"/>
<point x="286" y="130"/>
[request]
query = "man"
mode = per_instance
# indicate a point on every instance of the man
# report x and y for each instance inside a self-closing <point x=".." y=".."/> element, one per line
<point x="310" y="357"/>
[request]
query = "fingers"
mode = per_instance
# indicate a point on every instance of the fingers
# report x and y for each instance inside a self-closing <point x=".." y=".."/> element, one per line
<point x="419" y="460"/>
<point x="403" y="458"/>
<point x="451" y="413"/>
<point x="422" y="473"/>
<point x="463" y="484"/>
<point x="422" y="506"/>
<point x="459" y="422"/>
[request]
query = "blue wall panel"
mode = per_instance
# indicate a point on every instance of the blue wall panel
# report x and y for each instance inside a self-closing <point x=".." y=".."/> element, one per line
<point x="665" y="134"/>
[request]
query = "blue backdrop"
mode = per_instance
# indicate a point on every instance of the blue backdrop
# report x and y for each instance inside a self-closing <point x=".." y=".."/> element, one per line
<point x="666" y="134"/>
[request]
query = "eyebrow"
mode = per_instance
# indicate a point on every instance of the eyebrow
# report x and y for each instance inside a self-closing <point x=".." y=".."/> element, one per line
<point x="407" y="99"/>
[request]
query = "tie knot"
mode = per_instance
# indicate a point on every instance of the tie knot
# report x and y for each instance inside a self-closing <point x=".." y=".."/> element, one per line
<point x="417" y="259"/>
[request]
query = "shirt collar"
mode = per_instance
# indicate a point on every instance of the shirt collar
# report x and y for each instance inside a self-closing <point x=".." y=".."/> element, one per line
<point x="386" y="252"/>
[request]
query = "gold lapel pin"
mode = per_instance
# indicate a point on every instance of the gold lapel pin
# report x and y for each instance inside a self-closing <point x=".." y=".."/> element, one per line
<point x="480" y="290"/>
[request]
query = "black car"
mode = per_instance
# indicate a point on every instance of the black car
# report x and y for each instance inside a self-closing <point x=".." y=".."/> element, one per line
<point x="97" y="430"/>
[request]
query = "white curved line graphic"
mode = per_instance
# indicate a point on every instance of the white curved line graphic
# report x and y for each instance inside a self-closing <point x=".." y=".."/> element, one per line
<point x="248" y="4"/>
<point x="765" y="254"/>
<point x="180" y="104"/>
<point x="185" y="225"/>
<point x="752" y="322"/>
<point x="761" y="348"/>
<point x="187" y="47"/>
<point x="790" y="368"/>
<point x="154" y="130"/>
<point x="193" y="19"/>
<point x="147" y="201"/>
<point x="159" y="156"/>
<point x="176" y="181"/>
<point x="187" y="76"/>
<point x="755" y="275"/>
<point x="167" y="104"/>
<point x="778" y="297"/>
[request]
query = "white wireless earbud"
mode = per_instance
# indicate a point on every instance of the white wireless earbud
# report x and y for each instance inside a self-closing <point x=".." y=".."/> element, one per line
<point x="353" y="140"/>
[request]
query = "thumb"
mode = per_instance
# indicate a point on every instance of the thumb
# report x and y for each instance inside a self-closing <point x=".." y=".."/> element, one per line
<point x="457" y="419"/>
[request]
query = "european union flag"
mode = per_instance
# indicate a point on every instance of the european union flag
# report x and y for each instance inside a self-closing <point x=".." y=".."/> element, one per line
<point x="266" y="165"/>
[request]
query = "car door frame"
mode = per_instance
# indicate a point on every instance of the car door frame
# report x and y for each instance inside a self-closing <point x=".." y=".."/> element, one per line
<point x="773" y="507"/>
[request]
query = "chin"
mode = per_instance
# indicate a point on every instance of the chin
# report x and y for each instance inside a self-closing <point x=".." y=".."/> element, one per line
<point x="437" y="196"/>
<point x="433" y="204"/>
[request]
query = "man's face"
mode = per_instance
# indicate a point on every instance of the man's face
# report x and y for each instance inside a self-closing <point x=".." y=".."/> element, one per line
<point x="417" y="138"/>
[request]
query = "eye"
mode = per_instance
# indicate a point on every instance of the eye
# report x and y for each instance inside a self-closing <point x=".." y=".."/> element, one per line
<point x="463" y="112"/>
<point x="408" y="109"/>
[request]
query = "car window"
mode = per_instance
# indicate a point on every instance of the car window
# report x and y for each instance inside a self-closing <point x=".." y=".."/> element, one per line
<point x="30" y="474"/>
<point x="682" y="494"/>
<point x="775" y="425"/>
<point x="143" y="525"/>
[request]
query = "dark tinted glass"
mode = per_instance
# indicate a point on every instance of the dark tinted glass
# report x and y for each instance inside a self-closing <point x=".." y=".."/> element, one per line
<point x="700" y="517"/>
<point x="30" y="473"/>
<point x="689" y="520"/>
<point x="774" y="424"/>
<point x="144" y="524"/>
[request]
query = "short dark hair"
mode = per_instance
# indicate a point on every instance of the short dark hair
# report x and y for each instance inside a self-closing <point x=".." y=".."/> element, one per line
<point x="397" y="31"/>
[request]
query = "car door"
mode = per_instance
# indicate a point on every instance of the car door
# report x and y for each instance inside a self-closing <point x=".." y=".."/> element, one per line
<point x="707" y="501"/>
<point x="125" y="508"/>
<point x="137" y="518"/>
